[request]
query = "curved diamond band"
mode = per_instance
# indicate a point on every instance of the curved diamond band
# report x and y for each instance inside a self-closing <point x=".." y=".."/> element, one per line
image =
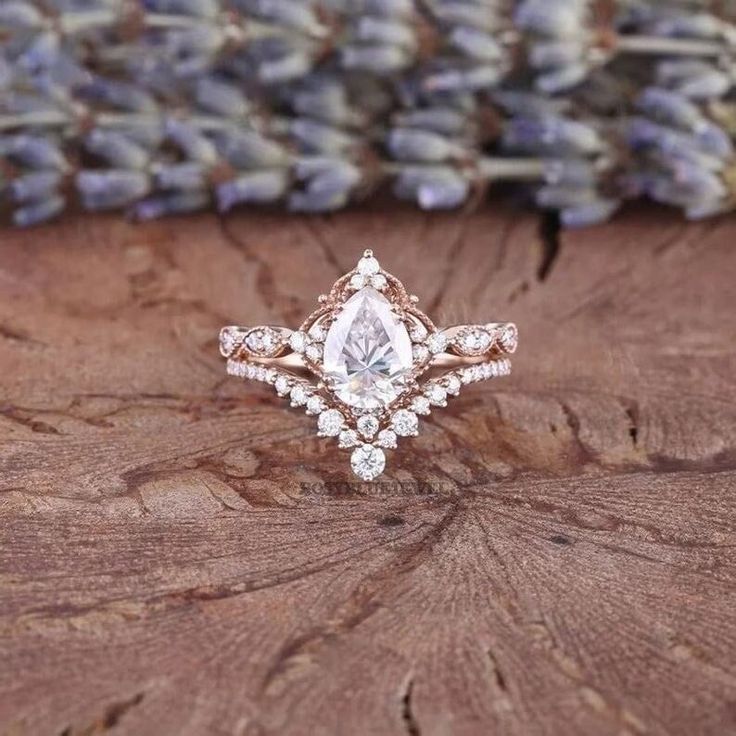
<point x="367" y="362"/>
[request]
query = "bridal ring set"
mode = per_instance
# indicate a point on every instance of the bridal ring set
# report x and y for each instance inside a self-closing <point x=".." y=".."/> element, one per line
<point x="367" y="363"/>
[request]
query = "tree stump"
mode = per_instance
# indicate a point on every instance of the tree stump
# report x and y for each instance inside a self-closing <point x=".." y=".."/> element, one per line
<point x="176" y="556"/>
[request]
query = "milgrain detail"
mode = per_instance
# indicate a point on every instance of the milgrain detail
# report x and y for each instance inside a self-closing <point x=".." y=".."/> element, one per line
<point x="554" y="554"/>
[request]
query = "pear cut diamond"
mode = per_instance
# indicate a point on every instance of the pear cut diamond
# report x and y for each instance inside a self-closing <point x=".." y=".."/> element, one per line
<point x="367" y="352"/>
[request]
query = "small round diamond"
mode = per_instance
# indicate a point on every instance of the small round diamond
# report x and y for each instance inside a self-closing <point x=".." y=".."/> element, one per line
<point x="299" y="395"/>
<point x="405" y="423"/>
<point x="453" y="385"/>
<point x="475" y="340"/>
<point x="509" y="338"/>
<point x="317" y="333"/>
<point x="420" y="405"/>
<point x="282" y="385"/>
<point x="357" y="281"/>
<point x="255" y="342"/>
<point x="330" y="423"/>
<point x="436" y="394"/>
<point x="367" y="462"/>
<point x="418" y="332"/>
<point x="315" y="405"/>
<point x="228" y="341"/>
<point x="348" y="438"/>
<point x="386" y="438"/>
<point x="367" y="426"/>
<point x="378" y="282"/>
<point x="420" y="353"/>
<point x="368" y="265"/>
<point x="437" y="343"/>
<point x="298" y="341"/>
<point x="313" y="352"/>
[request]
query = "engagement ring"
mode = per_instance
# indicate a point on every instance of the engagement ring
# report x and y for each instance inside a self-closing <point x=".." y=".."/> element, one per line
<point x="367" y="363"/>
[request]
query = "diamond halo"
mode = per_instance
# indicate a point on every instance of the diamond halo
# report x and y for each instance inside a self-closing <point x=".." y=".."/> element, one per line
<point x="358" y="362"/>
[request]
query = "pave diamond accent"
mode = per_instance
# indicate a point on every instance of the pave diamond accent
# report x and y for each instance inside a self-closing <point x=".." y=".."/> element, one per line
<point x="348" y="438"/>
<point x="298" y="342"/>
<point x="368" y="265"/>
<point x="386" y="438"/>
<point x="420" y="405"/>
<point x="405" y="423"/>
<point x="299" y="395"/>
<point x="436" y="394"/>
<point x="367" y="426"/>
<point x="230" y="338"/>
<point x="509" y="338"/>
<point x="437" y="342"/>
<point x="330" y="423"/>
<point x="315" y="405"/>
<point x="367" y="352"/>
<point x="368" y="461"/>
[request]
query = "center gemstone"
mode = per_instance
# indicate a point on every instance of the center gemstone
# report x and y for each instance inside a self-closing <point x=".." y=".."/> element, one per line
<point x="367" y="351"/>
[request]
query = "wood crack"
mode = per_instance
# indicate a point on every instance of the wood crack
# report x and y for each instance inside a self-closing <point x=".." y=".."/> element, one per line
<point x="408" y="718"/>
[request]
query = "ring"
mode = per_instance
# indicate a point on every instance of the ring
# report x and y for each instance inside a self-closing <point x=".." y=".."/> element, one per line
<point x="367" y="362"/>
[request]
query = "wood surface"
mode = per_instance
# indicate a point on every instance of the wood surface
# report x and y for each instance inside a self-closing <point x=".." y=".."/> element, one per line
<point x="179" y="554"/>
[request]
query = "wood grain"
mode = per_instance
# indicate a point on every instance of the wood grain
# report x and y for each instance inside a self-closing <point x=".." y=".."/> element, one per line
<point x="555" y="554"/>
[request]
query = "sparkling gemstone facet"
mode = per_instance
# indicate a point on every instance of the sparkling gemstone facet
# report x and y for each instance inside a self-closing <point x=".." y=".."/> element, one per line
<point x="367" y="351"/>
<point x="368" y="461"/>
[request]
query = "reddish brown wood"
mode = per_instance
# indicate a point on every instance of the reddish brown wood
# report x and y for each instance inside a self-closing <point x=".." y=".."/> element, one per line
<point x="176" y="554"/>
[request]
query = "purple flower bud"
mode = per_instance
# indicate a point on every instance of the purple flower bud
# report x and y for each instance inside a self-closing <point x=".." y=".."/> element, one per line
<point x="34" y="151"/>
<point x="553" y="54"/>
<point x="696" y="25"/>
<point x="376" y="59"/>
<point x="170" y="204"/>
<point x="384" y="31"/>
<point x="407" y="144"/>
<point x="713" y="139"/>
<point x="41" y="53"/>
<point x="589" y="213"/>
<point x="553" y="135"/>
<point x="117" y="149"/>
<point x="329" y="185"/>
<point x="220" y="98"/>
<point x="669" y="108"/>
<point x="325" y="99"/>
<point x="19" y="15"/>
<point x="433" y="187"/>
<point x="320" y="138"/>
<point x="35" y="186"/>
<point x="470" y="15"/>
<point x="476" y="44"/>
<point x="197" y="8"/>
<point x="290" y="13"/>
<point x="444" y="121"/>
<point x="195" y="144"/>
<point x="526" y="104"/>
<point x="469" y="80"/>
<point x="258" y="187"/>
<point x="707" y="86"/>
<point x="101" y="190"/>
<point x="39" y="211"/>
<point x="547" y="18"/>
<point x="284" y="69"/>
<point x="569" y="173"/>
<point x="187" y="176"/>
<point x="246" y="149"/>
<point x="560" y="80"/>
<point x="120" y="95"/>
